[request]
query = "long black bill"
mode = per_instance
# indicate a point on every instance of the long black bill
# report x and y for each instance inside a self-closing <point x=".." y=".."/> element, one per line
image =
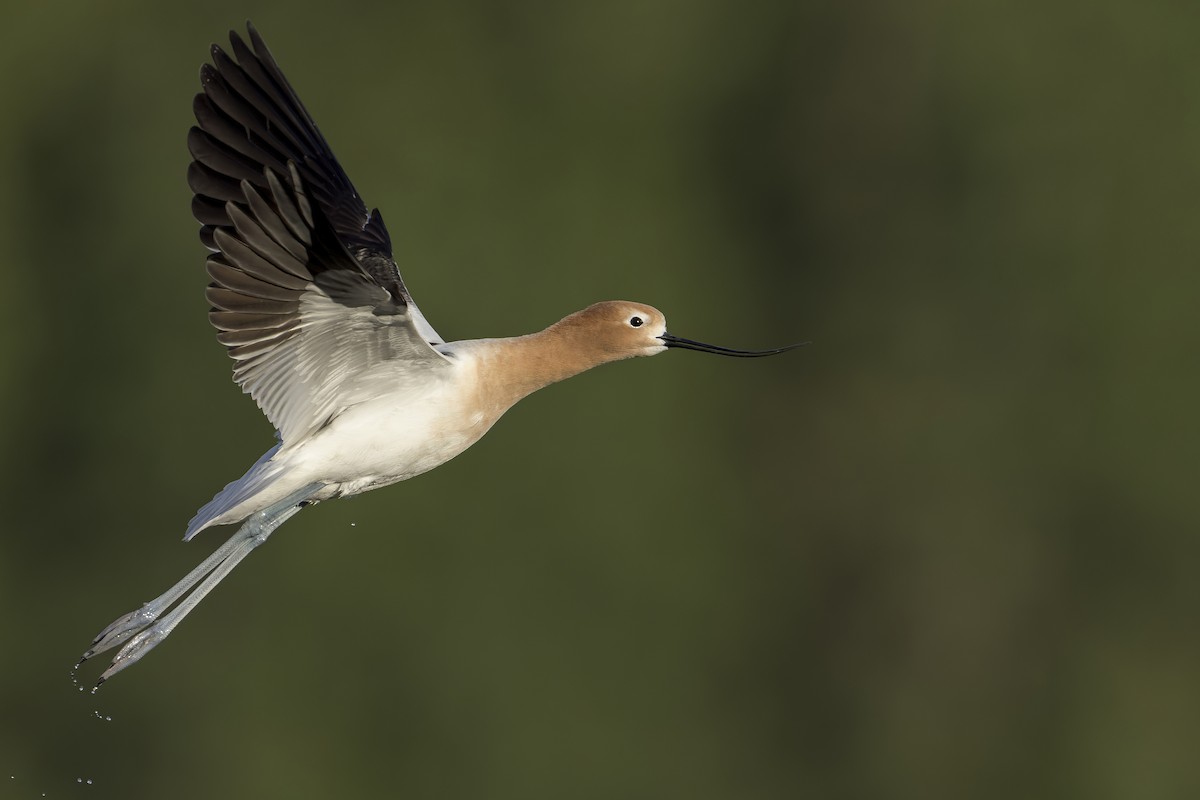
<point x="688" y="344"/>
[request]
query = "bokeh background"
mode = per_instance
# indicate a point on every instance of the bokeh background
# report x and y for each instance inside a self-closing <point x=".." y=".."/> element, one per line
<point x="949" y="550"/>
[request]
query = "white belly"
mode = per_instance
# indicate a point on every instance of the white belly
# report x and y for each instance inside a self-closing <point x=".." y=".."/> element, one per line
<point x="390" y="439"/>
<point x="407" y="425"/>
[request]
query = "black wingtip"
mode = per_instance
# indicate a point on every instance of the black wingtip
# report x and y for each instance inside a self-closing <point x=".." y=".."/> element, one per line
<point x="235" y="39"/>
<point x="256" y="40"/>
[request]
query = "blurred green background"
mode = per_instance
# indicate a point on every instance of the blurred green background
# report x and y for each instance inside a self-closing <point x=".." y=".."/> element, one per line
<point x="947" y="551"/>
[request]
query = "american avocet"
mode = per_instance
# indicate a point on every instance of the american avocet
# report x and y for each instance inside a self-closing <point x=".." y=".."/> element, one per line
<point x="326" y="338"/>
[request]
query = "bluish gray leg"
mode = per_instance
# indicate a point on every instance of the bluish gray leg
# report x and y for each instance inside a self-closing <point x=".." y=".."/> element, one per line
<point x="135" y="621"/>
<point x="142" y="627"/>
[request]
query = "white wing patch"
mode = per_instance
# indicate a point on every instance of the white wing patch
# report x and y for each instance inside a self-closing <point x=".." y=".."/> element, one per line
<point x="306" y="378"/>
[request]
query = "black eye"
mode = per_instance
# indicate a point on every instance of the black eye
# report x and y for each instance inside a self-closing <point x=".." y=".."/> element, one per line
<point x="635" y="322"/>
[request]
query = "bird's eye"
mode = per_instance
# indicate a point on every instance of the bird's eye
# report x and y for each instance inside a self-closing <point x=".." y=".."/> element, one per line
<point x="635" y="322"/>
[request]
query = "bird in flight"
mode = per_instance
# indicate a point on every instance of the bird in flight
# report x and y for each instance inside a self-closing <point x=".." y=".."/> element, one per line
<point x="307" y="297"/>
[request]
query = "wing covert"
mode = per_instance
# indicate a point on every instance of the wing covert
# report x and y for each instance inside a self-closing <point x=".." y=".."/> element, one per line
<point x="305" y="293"/>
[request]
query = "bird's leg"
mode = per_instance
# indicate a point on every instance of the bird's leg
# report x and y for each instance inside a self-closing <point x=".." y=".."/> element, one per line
<point x="134" y="621"/>
<point x="142" y="627"/>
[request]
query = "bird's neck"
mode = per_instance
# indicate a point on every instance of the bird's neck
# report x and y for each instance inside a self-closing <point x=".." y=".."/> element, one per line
<point x="514" y="368"/>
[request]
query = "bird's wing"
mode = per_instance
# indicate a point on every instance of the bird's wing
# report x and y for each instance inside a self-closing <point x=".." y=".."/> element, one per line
<point x="305" y="292"/>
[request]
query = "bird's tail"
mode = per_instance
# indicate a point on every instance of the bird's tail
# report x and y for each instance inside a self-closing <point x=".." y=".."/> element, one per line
<point x="258" y="477"/>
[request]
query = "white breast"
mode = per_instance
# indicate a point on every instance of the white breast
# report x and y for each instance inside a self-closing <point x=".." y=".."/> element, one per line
<point x="409" y="428"/>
